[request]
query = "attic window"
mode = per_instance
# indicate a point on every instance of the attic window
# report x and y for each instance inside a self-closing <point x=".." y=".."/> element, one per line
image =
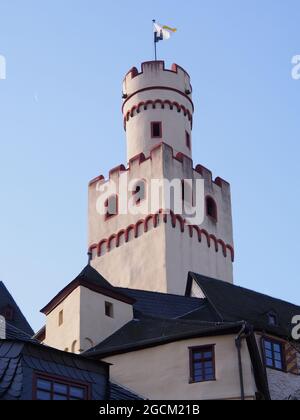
<point x="273" y="320"/>
<point x="109" y="309"/>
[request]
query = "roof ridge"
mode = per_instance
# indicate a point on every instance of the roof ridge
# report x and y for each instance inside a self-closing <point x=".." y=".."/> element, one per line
<point x="159" y="293"/>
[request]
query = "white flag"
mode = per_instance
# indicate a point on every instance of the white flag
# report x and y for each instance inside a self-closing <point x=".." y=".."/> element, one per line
<point x="163" y="32"/>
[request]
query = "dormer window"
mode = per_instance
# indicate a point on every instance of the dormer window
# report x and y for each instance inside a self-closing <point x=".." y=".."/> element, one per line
<point x="272" y="319"/>
<point x="111" y="207"/>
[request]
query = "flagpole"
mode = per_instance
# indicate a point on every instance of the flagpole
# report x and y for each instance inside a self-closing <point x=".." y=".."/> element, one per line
<point x="155" y="42"/>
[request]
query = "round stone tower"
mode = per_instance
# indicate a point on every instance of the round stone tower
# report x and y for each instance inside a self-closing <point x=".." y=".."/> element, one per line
<point x="157" y="108"/>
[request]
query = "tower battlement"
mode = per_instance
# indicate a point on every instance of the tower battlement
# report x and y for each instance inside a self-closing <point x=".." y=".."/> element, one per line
<point x="154" y="73"/>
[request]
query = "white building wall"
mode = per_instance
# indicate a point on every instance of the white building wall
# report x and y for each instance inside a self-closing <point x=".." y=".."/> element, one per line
<point x="84" y="321"/>
<point x="170" y="371"/>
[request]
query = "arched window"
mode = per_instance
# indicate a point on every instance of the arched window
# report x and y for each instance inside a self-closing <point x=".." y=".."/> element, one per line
<point x="139" y="192"/>
<point x="111" y="207"/>
<point x="211" y="209"/>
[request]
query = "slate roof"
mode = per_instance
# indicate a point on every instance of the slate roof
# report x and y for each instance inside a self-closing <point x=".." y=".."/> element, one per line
<point x="19" y="359"/>
<point x="151" y="331"/>
<point x="233" y="303"/>
<point x="163" y="305"/>
<point x="119" y="393"/>
<point x="18" y="326"/>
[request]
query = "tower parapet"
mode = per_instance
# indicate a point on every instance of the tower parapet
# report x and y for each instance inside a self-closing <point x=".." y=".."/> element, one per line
<point x="157" y="107"/>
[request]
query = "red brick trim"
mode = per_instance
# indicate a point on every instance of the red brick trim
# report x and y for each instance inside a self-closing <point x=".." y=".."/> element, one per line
<point x="175" y="220"/>
<point x="144" y="106"/>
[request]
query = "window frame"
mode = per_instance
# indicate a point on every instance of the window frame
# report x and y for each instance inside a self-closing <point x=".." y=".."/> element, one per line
<point x="211" y="348"/>
<point x="273" y="342"/>
<point x="61" y="381"/>
<point x="160" y="129"/>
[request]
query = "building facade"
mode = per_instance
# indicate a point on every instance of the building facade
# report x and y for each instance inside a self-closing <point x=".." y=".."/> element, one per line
<point x="157" y="300"/>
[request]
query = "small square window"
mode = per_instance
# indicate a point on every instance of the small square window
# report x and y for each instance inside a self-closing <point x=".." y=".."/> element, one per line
<point x="109" y="309"/>
<point x="156" y="130"/>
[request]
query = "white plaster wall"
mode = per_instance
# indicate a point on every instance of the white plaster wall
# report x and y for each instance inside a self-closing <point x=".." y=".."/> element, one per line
<point x="174" y="128"/>
<point x="99" y="228"/>
<point x="95" y="326"/>
<point x="139" y="264"/>
<point x="184" y="254"/>
<point x="62" y="337"/>
<point x="84" y="321"/>
<point x="166" y="254"/>
<point x="223" y="229"/>
<point x="162" y="373"/>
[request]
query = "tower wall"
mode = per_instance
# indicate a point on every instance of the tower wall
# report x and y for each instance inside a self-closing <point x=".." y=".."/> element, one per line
<point x="149" y="249"/>
<point x="157" y="95"/>
<point x="155" y="251"/>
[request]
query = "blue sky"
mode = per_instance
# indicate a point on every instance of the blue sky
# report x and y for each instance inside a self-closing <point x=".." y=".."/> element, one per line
<point x="61" y="125"/>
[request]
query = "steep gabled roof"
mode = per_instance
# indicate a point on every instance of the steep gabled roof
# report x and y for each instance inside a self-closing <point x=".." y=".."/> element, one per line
<point x="150" y="332"/>
<point x="233" y="303"/>
<point x="18" y="325"/>
<point x="91" y="279"/>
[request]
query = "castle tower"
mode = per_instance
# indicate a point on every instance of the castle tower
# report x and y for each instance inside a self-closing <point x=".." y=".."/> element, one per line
<point x="157" y="107"/>
<point x="148" y="249"/>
